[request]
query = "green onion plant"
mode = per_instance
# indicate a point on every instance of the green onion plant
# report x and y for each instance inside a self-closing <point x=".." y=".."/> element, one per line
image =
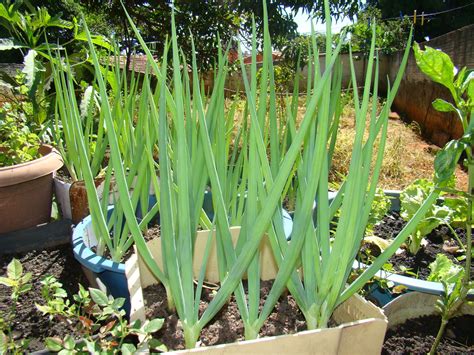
<point x="129" y="123"/>
<point x="249" y="173"/>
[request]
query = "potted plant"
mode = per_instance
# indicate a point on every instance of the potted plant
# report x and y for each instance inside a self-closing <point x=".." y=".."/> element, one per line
<point x="26" y="174"/>
<point x="26" y="27"/>
<point x="102" y="239"/>
<point x="324" y="262"/>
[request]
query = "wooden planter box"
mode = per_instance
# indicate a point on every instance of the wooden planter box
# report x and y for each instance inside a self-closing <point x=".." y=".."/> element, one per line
<point x="361" y="330"/>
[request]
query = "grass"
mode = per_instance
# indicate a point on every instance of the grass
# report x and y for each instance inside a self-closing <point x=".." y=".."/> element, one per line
<point x="407" y="155"/>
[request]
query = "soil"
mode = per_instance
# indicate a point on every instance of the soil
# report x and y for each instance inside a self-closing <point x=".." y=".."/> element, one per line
<point x="63" y="175"/>
<point x="440" y="240"/>
<point x="227" y="326"/>
<point x="417" y="335"/>
<point x="29" y="322"/>
<point x="151" y="233"/>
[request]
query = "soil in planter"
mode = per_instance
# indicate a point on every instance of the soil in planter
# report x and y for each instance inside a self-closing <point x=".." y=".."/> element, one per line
<point x="417" y="335"/>
<point x="63" y="175"/>
<point x="29" y="322"/>
<point x="227" y="326"/>
<point x="440" y="240"/>
<point x="150" y="233"/>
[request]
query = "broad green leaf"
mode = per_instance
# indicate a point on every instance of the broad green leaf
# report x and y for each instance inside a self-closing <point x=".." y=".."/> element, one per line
<point x="7" y="43"/>
<point x="89" y="95"/>
<point x="69" y="342"/>
<point x="459" y="208"/>
<point x="443" y="269"/>
<point x="128" y="349"/>
<point x="61" y="293"/>
<point x="98" y="296"/>
<point x="92" y="347"/>
<point x="118" y="303"/>
<point x="436" y="65"/>
<point x="14" y="269"/>
<point x="42" y="308"/>
<point x="468" y="86"/>
<point x="446" y="160"/>
<point x="3" y="342"/>
<point x="157" y="345"/>
<point x="7" y="282"/>
<point x="25" y="288"/>
<point x="153" y="325"/>
<point x="54" y="344"/>
<point x="26" y="277"/>
<point x="100" y="41"/>
<point x="443" y="106"/>
<point x="31" y="68"/>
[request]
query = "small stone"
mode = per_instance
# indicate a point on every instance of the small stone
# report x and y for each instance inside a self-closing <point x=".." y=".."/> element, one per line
<point x="450" y="249"/>
<point x="393" y="115"/>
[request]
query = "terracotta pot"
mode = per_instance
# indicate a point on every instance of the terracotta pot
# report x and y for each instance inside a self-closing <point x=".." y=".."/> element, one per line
<point x="26" y="191"/>
<point x="361" y="327"/>
<point x="78" y="199"/>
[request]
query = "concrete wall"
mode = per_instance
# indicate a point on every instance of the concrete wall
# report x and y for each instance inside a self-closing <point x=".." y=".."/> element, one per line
<point x="417" y="91"/>
<point x="234" y="82"/>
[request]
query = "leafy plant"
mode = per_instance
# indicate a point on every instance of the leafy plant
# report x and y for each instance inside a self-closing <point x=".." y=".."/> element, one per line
<point x="326" y="262"/>
<point x="411" y="198"/>
<point x="99" y="319"/>
<point x="391" y="34"/>
<point x="18" y="283"/>
<point x="17" y="143"/>
<point x="455" y="291"/>
<point x="460" y="83"/>
<point x="380" y="207"/>
<point x="28" y="28"/>
<point x="84" y="151"/>
<point x="443" y="269"/>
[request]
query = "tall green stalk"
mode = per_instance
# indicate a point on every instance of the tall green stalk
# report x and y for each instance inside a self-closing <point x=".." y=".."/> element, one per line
<point x="191" y="134"/>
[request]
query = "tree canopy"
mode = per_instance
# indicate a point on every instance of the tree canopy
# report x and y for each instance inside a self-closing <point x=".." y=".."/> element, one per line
<point x="441" y="16"/>
<point x="231" y="19"/>
<point x="204" y="20"/>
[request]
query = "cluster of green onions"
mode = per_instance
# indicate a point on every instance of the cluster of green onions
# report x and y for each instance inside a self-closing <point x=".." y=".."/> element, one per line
<point x="249" y="171"/>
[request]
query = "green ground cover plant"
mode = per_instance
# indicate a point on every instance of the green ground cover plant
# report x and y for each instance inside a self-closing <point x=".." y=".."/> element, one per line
<point x="18" y="144"/>
<point x="411" y="198"/>
<point x="96" y="320"/>
<point x="19" y="283"/>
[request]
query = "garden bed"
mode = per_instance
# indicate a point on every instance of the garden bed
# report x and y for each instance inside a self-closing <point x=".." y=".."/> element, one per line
<point x="417" y="335"/>
<point x="227" y="326"/>
<point x="440" y="240"/>
<point x="29" y="322"/>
